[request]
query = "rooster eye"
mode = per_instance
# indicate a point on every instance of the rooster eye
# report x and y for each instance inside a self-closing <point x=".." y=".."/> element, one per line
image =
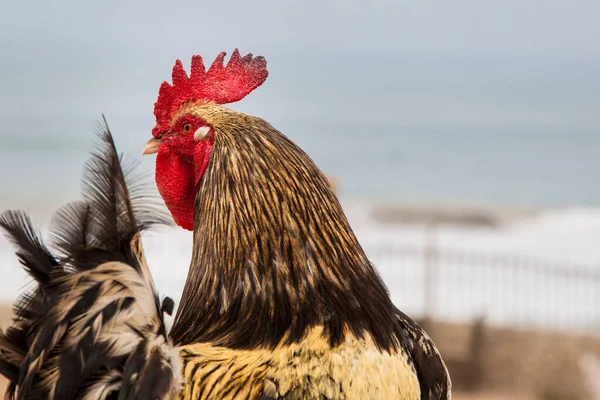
<point x="187" y="127"/>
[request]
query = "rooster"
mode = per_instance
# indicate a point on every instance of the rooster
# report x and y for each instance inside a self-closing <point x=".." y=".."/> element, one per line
<point x="280" y="299"/>
<point x="92" y="328"/>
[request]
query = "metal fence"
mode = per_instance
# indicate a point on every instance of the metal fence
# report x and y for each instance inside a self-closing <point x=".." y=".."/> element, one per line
<point x="448" y="284"/>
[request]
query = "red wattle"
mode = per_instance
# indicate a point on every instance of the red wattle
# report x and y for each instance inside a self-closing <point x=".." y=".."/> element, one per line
<point x="177" y="177"/>
<point x="176" y="184"/>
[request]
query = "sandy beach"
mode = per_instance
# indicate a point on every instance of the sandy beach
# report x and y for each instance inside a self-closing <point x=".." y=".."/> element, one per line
<point x="5" y="315"/>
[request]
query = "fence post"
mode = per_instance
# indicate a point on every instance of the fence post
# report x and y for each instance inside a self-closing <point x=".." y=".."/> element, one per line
<point x="430" y="264"/>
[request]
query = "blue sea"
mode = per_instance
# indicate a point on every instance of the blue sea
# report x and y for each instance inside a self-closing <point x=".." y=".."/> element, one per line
<point x="507" y="167"/>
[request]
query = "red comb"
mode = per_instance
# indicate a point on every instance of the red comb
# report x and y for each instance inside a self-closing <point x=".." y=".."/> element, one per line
<point x="221" y="84"/>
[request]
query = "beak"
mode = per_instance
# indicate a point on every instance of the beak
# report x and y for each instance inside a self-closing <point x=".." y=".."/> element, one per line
<point x="151" y="147"/>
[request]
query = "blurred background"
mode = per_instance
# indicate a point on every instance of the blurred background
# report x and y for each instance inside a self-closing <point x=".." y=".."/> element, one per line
<point x="462" y="138"/>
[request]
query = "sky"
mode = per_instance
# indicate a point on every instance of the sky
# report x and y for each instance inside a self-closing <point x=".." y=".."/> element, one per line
<point x="110" y="56"/>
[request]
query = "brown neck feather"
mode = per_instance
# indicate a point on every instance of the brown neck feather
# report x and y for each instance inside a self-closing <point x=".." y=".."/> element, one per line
<point x="273" y="252"/>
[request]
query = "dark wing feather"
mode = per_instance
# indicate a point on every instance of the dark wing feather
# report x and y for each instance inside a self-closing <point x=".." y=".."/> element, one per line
<point x="430" y="368"/>
<point x="93" y="326"/>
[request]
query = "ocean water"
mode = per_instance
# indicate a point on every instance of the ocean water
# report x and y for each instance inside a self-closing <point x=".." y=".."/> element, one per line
<point x="507" y="167"/>
<point x="518" y="168"/>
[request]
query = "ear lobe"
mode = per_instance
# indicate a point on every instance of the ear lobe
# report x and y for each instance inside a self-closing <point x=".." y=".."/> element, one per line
<point x="201" y="133"/>
<point x="201" y="158"/>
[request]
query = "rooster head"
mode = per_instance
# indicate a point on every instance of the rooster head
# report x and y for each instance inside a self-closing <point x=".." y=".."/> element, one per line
<point x="188" y="114"/>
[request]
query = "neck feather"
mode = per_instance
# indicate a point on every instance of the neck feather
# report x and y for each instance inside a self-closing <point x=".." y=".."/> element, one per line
<point x="274" y="254"/>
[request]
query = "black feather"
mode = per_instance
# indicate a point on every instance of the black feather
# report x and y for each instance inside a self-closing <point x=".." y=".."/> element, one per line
<point x="85" y="301"/>
<point x="31" y="251"/>
<point x="155" y="382"/>
<point x="430" y="368"/>
<point x="167" y="306"/>
<point x="8" y="370"/>
<point x="135" y="363"/>
<point x="70" y="232"/>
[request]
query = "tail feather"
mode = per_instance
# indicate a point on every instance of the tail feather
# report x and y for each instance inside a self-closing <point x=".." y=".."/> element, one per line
<point x="93" y="326"/>
<point x="69" y="233"/>
<point x="118" y="205"/>
<point x="32" y="253"/>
